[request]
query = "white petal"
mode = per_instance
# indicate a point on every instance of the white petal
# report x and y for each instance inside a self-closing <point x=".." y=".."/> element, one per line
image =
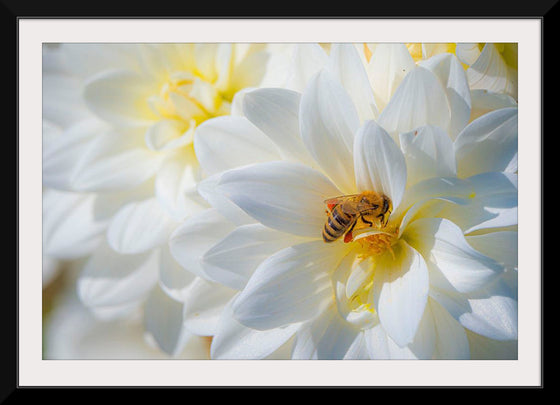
<point x="348" y="68"/>
<point x="276" y="113"/>
<point x="419" y="100"/>
<point x="234" y="341"/>
<point x="173" y="277"/>
<point x="380" y="346"/>
<point x="114" y="162"/>
<point x="467" y="53"/>
<point x="71" y="228"/>
<point x="87" y="59"/>
<point x="327" y="337"/>
<point x="204" y="58"/>
<point x="490" y="311"/>
<point x="488" y="144"/>
<point x="62" y="153"/>
<point x="120" y="97"/>
<point x="454" y="303"/>
<point x="208" y="189"/>
<point x="284" y="352"/>
<point x="108" y="204"/>
<point x="224" y="64"/>
<point x="205" y="94"/>
<point x="227" y="142"/>
<point x="501" y="246"/>
<point x="446" y="251"/>
<point x="483" y="348"/>
<point x="377" y="343"/>
<point x="452" y="77"/>
<point x="491" y="72"/>
<point x="116" y="312"/>
<point x="181" y="105"/>
<point x="379" y="163"/>
<point x="400" y="292"/>
<point x="242" y="50"/>
<point x="388" y="65"/>
<point x="250" y="72"/>
<point x="291" y="286"/>
<point x="358" y="350"/>
<point x="168" y="134"/>
<point x="237" y="102"/>
<point x="493" y="206"/>
<point x="139" y="226"/>
<point x="176" y="183"/>
<point x="429" y="153"/>
<point x="204" y="304"/>
<point x="416" y="197"/>
<point x="233" y="259"/>
<point x="451" y="342"/>
<point x="62" y="100"/>
<point x="284" y="196"/>
<point x="155" y="60"/>
<point x="307" y="60"/>
<point x="484" y="101"/>
<point x="493" y="312"/>
<point x="278" y="64"/>
<point x="328" y="121"/>
<point x="424" y="343"/>
<point x="163" y="319"/>
<point x="195" y="236"/>
<point x="360" y="271"/>
<point x="112" y="279"/>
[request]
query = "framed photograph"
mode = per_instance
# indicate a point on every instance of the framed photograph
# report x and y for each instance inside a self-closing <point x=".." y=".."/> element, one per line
<point x="279" y="202"/>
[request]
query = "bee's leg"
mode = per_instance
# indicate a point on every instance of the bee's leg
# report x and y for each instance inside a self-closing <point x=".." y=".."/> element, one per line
<point x="348" y="236"/>
<point x="365" y="220"/>
<point x="384" y="219"/>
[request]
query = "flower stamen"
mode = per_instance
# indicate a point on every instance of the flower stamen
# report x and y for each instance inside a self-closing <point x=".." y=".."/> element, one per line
<point x="378" y="243"/>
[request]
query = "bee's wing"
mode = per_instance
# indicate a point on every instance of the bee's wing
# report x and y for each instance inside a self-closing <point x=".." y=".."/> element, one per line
<point x="340" y="199"/>
<point x="349" y="203"/>
<point x="361" y="207"/>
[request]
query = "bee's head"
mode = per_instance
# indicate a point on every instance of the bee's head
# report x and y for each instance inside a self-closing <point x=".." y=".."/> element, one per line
<point x="387" y="205"/>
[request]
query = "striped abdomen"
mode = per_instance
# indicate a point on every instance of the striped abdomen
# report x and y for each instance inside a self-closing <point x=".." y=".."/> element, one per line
<point x="337" y="224"/>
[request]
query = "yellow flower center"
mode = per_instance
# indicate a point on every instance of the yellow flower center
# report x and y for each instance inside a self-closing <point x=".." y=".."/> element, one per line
<point x="355" y="291"/>
<point x="378" y="243"/>
<point x="186" y="97"/>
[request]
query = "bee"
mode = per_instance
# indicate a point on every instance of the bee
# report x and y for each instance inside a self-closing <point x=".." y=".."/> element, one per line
<point x="344" y="212"/>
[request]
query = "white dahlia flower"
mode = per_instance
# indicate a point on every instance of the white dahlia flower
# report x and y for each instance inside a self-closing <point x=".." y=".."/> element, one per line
<point x="438" y="281"/>
<point x="119" y="167"/>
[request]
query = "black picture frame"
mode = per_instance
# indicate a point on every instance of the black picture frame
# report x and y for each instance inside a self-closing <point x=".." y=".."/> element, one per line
<point x="12" y="11"/>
